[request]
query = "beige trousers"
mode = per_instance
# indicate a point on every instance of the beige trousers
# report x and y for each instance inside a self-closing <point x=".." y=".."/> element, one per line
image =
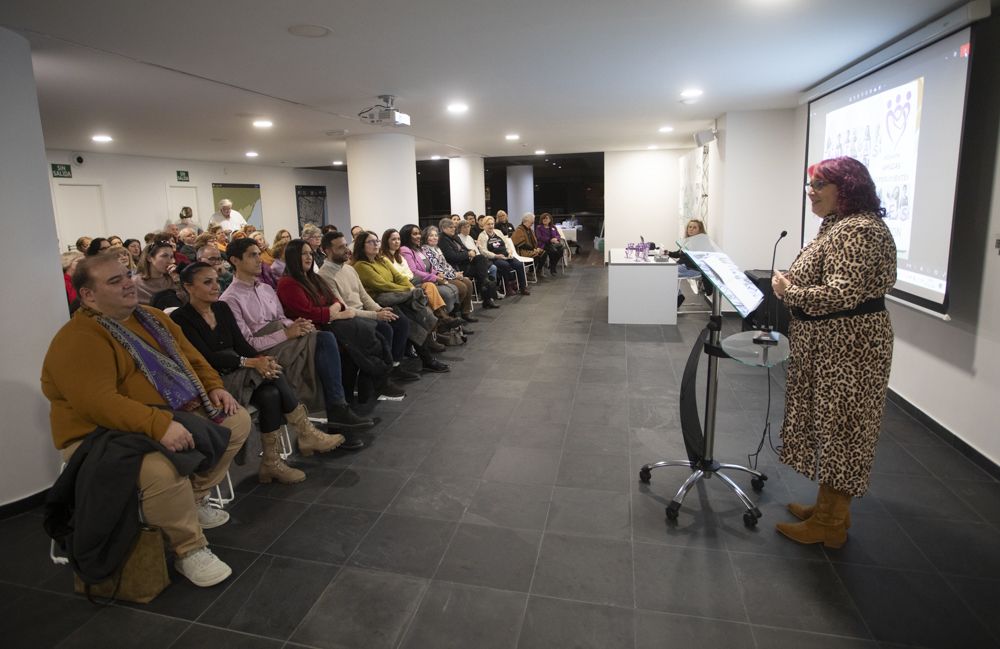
<point x="169" y="500"/>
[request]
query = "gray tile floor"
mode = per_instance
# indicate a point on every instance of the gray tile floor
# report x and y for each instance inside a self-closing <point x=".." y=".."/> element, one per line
<point x="499" y="506"/>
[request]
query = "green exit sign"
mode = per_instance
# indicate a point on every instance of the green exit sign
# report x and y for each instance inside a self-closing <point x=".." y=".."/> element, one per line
<point x="62" y="171"/>
<point x="183" y="176"/>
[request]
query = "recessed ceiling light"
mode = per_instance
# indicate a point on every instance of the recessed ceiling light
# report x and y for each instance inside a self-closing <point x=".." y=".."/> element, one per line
<point x="666" y="129"/>
<point x="691" y="93"/>
<point x="435" y="157"/>
<point x="511" y="137"/>
<point x="263" y="123"/>
<point x="337" y="163"/>
<point x="251" y="154"/>
<point x="101" y="138"/>
<point x="540" y="152"/>
<point x="458" y="108"/>
<point x="652" y="147"/>
<point x="309" y="31"/>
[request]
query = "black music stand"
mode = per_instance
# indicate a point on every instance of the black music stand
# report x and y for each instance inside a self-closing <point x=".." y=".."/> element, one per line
<point x="718" y="269"/>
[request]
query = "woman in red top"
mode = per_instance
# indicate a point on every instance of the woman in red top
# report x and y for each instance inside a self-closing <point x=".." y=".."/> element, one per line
<point x="304" y="294"/>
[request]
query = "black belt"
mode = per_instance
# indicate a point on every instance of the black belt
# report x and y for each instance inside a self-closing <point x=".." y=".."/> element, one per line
<point x="874" y="305"/>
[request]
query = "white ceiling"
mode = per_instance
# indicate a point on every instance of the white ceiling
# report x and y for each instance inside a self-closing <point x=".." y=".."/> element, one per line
<point x="184" y="78"/>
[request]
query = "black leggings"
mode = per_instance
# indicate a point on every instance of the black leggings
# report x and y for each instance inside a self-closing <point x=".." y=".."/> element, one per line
<point x="273" y="397"/>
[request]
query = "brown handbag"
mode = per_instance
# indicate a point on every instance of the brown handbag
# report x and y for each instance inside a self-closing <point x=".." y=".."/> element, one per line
<point x="141" y="578"/>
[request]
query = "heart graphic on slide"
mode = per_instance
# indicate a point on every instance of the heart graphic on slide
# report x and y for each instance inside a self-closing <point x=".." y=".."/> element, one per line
<point x="896" y="119"/>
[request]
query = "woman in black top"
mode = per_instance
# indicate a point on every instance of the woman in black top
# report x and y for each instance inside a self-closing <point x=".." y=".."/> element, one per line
<point x="210" y="326"/>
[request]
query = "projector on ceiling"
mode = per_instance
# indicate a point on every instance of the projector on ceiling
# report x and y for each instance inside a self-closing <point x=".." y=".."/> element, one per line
<point x="384" y="114"/>
<point x="385" y="117"/>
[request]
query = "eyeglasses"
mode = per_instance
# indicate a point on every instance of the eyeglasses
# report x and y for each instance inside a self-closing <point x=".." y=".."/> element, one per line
<point x="816" y="185"/>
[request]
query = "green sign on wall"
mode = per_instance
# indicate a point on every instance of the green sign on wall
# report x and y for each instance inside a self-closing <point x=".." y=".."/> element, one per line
<point x="62" y="171"/>
<point x="183" y="176"/>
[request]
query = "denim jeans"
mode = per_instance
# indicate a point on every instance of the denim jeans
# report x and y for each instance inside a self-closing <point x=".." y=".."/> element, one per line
<point x="328" y="368"/>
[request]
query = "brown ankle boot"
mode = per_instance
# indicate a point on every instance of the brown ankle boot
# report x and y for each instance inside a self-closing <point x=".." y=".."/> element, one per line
<point x="311" y="439"/>
<point x="827" y="525"/>
<point x="272" y="467"/>
<point x="802" y="512"/>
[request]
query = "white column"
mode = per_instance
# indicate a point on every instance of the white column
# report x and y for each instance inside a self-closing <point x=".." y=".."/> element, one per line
<point x="520" y="192"/>
<point x="34" y="295"/>
<point x="467" y="180"/>
<point x="382" y="180"/>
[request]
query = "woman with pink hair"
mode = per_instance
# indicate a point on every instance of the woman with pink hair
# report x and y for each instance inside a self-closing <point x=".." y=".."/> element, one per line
<point x="841" y="347"/>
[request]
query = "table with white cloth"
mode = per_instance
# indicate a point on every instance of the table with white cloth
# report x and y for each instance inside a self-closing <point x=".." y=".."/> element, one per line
<point x="641" y="292"/>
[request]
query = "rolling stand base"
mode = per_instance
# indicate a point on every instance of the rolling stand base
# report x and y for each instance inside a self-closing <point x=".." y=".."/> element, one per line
<point x="703" y="470"/>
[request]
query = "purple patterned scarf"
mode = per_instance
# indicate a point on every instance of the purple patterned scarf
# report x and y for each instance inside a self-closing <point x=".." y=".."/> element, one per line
<point x="168" y="372"/>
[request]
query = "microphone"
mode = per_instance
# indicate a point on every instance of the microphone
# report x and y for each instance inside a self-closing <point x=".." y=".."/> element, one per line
<point x="766" y="335"/>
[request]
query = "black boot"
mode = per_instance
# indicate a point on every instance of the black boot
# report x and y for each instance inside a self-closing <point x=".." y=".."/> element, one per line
<point x="341" y="417"/>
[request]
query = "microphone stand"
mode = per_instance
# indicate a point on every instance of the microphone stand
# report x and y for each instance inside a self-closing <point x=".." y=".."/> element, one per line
<point x="767" y="336"/>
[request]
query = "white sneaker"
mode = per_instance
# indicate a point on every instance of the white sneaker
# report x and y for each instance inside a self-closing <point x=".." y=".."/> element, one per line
<point x="210" y="516"/>
<point x="203" y="568"/>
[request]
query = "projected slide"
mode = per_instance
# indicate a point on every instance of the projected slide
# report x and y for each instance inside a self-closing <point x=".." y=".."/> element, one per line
<point x="883" y="132"/>
<point x="904" y="122"/>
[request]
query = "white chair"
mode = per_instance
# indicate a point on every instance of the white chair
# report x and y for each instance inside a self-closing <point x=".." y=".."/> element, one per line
<point x="567" y="250"/>
<point x="224" y="492"/>
<point x="529" y="264"/>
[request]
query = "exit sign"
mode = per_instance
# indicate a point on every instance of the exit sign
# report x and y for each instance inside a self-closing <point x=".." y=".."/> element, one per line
<point x="62" y="171"/>
<point x="183" y="176"/>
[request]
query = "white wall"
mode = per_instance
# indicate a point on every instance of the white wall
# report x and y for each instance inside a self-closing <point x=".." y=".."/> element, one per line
<point x="640" y="197"/>
<point x="33" y="294"/>
<point x="759" y="193"/>
<point x="951" y="370"/>
<point x="135" y="190"/>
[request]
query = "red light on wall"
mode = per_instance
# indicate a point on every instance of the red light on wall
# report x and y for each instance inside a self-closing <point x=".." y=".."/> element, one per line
<point x="964" y="51"/>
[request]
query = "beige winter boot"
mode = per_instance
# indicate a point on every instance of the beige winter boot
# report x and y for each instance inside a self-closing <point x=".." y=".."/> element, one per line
<point x="311" y="439"/>
<point x="272" y="467"/>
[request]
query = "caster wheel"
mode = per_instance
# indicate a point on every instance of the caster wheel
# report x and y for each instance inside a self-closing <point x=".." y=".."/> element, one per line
<point x="757" y="484"/>
<point x="749" y="520"/>
<point x="645" y="475"/>
<point x="672" y="512"/>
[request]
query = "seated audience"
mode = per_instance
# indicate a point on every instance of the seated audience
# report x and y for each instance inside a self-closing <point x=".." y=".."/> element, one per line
<point x="355" y="231"/>
<point x="304" y="352"/>
<point x="525" y="243"/>
<point x="126" y="374"/>
<point x="265" y="250"/>
<point x="420" y="267"/>
<point x="467" y="260"/>
<point x="389" y="251"/>
<point x="470" y="218"/>
<point x="550" y="241"/>
<point x="249" y="376"/>
<point x="227" y="218"/>
<point x="157" y="281"/>
<point x="388" y="287"/>
<point x="346" y="286"/>
<point x="187" y="220"/>
<point x="115" y="241"/>
<point x="503" y="224"/>
<point x="69" y="261"/>
<point x="187" y="238"/>
<point x="209" y="254"/>
<point x="134" y="247"/>
<point x="304" y="295"/>
<point x="82" y="244"/>
<point x="500" y="250"/>
<point x="312" y="235"/>
<point x="98" y="245"/>
<point x="281" y="235"/>
<point x="124" y="258"/>
<point x="278" y="252"/>
<point x="440" y="266"/>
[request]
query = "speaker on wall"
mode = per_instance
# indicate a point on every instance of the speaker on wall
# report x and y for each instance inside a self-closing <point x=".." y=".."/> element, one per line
<point x="702" y="138"/>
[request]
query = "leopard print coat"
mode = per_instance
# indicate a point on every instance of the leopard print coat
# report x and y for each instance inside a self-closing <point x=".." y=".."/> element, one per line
<point x="839" y="368"/>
